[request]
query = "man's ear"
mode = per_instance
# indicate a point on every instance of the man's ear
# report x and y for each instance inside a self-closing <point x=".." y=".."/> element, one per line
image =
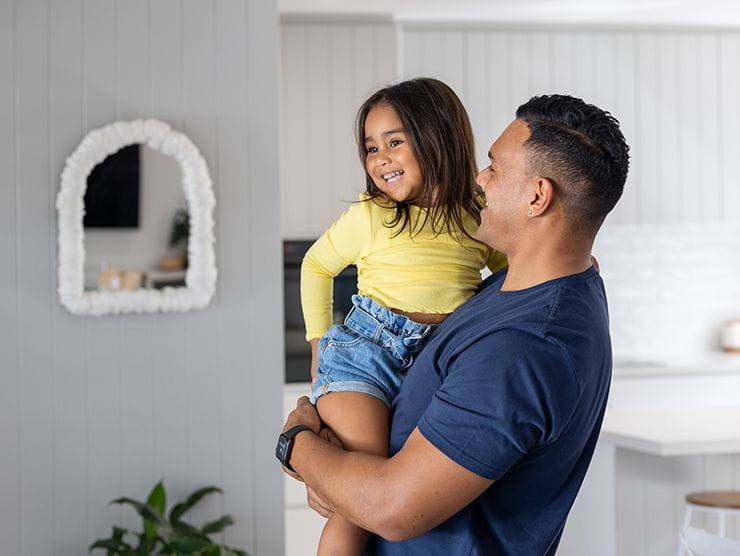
<point x="542" y="195"/>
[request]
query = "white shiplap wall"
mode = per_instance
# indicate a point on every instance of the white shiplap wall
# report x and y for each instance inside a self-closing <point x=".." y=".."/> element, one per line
<point x="674" y="92"/>
<point x="328" y="69"/>
<point x="95" y="408"/>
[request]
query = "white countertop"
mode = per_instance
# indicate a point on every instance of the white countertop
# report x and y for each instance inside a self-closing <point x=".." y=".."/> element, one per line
<point x="710" y="363"/>
<point x="674" y="432"/>
<point x="687" y="410"/>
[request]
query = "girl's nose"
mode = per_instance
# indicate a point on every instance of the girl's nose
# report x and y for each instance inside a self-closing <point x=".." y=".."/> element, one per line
<point x="482" y="178"/>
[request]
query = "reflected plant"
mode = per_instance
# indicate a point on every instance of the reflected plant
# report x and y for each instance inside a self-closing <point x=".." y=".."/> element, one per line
<point x="170" y="535"/>
<point x="180" y="230"/>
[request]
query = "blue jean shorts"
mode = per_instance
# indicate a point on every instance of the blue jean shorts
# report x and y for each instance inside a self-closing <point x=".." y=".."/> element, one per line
<point x="369" y="353"/>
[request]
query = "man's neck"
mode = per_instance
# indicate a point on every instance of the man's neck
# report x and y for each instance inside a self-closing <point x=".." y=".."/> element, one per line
<point x="541" y="261"/>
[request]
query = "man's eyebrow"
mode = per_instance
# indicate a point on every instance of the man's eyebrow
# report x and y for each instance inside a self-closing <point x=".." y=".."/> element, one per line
<point x="389" y="132"/>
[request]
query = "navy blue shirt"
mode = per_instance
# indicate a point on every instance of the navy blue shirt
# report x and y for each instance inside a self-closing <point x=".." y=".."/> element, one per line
<point x="513" y="387"/>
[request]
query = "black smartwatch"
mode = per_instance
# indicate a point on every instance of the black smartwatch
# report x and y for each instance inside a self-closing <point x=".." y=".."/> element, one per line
<point x="285" y="445"/>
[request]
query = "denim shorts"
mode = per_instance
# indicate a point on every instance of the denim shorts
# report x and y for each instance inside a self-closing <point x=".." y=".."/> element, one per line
<point x="369" y="353"/>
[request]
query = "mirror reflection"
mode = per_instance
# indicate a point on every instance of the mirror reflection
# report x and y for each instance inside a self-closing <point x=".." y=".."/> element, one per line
<point x="136" y="223"/>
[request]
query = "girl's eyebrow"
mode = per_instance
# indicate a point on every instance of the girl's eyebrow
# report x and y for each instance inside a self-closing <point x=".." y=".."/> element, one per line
<point x="389" y="132"/>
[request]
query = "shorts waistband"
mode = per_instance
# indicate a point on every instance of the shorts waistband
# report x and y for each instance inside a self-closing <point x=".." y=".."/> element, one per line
<point x="368" y="317"/>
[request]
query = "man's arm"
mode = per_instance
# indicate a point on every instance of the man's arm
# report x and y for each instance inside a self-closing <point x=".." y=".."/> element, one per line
<point x="397" y="498"/>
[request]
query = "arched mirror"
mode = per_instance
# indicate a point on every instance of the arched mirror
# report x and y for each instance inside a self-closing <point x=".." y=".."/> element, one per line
<point x="135" y="211"/>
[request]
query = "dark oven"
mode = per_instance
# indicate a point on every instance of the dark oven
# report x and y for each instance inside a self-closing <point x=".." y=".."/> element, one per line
<point x="297" y="349"/>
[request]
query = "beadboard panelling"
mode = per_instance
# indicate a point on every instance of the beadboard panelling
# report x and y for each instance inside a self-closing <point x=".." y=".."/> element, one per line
<point x="10" y="516"/>
<point x="328" y="69"/>
<point x="93" y="408"/>
<point x="36" y="274"/>
<point x="672" y="90"/>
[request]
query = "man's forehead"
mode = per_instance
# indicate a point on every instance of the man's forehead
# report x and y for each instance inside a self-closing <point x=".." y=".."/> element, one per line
<point x="510" y="141"/>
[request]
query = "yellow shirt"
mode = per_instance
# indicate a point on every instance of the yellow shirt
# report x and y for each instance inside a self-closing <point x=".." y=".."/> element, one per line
<point x="420" y="274"/>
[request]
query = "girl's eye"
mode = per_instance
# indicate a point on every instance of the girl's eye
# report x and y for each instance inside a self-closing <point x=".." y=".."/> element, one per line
<point x="372" y="150"/>
<point x="395" y="142"/>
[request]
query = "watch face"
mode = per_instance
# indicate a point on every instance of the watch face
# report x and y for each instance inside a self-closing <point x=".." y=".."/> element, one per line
<point x="282" y="447"/>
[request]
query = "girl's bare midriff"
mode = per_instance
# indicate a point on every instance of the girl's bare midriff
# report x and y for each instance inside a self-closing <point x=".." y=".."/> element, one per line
<point x="423" y="318"/>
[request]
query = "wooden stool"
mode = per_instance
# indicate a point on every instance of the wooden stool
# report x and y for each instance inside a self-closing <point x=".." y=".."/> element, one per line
<point x="720" y="502"/>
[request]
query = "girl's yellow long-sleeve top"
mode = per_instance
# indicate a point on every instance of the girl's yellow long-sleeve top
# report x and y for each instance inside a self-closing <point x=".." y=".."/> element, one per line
<point x="420" y="274"/>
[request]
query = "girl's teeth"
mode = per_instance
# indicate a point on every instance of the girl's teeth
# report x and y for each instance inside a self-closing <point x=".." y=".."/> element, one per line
<point x="393" y="176"/>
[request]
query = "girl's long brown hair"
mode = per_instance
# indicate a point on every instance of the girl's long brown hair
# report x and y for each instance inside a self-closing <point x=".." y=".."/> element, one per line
<point x="438" y="127"/>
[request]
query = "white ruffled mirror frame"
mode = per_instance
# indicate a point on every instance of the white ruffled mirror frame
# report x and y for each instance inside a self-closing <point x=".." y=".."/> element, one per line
<point x="200" y="278"/>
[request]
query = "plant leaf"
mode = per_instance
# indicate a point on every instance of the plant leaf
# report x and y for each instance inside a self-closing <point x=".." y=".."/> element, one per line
<point x="192" y="500"/>
<point x="145" y="511"/>
<point x="188" y="545"/>
<point x="157" y="501"/>
<point x="111" y="544"/>
<point x="227" y="551"/>
<point x="218" y="525"/>
<point x="184" y="529"/>
<point x="157" y="498"/>
<point x="146" y="545"/>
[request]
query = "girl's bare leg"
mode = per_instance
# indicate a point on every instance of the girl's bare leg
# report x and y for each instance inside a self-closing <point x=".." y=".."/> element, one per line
<point x="361" y="422"/>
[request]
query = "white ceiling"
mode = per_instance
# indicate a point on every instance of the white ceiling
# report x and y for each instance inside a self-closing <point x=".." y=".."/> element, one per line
<point x="649" y="12"/>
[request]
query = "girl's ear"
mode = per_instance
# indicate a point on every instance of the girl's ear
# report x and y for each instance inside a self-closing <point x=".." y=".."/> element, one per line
<point x="541" y="196"/>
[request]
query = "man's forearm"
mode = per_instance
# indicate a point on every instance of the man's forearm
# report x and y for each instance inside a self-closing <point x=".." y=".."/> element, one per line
<point x="356" y="485"/>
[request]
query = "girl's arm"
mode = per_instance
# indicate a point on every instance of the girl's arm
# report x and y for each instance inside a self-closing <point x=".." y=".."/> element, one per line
<point x="340" y="246"/>
<point x="314" y="357"/>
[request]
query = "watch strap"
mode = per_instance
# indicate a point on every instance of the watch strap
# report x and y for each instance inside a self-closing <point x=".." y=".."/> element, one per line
<point x="289" y="435"/>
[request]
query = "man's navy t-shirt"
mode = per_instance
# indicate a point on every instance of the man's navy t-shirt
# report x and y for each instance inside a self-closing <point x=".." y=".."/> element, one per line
<point x="513" y="387"/>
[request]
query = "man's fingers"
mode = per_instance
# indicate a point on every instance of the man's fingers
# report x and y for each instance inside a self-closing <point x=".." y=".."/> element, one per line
<point x="327" y="434"/>
<point x="292" y="474"/>
<point x="317" y="504"/>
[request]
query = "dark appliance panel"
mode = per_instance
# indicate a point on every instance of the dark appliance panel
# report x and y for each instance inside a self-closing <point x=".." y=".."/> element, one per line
<point x="297" y="349"/>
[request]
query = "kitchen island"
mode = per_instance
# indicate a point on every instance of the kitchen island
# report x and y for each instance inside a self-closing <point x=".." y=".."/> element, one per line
<point x="668" y="430"/>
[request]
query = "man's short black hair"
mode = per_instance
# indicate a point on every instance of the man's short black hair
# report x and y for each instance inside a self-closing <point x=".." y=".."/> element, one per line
<point x="581" y="149"/>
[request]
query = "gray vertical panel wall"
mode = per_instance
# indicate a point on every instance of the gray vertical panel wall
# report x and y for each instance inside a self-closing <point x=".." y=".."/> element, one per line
<point x="93" y="408"/>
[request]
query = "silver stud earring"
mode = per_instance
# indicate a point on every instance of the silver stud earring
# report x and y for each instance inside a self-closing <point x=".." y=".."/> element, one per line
<point x="529" y="212"/>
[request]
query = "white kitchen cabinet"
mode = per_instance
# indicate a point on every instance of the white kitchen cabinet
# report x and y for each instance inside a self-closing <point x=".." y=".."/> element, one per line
<point x="302" y="525"/>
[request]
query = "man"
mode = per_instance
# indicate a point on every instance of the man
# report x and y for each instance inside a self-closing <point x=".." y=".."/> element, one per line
<point x="497" y="420"/>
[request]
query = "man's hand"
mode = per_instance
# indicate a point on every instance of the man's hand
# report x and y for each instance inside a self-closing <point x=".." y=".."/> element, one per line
<point x="303" y="414"/>
<point x="314" y="500"/>
<point x="317" y="504"/>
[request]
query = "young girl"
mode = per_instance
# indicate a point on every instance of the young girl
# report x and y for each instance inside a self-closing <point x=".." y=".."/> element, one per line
<point x="412" y="239"/>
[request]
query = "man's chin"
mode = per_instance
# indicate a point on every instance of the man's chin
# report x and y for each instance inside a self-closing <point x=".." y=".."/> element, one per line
<point x="484" y="237"/>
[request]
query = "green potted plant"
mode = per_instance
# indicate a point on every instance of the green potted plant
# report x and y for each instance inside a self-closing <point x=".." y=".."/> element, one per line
<point x="167" y="534"/>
